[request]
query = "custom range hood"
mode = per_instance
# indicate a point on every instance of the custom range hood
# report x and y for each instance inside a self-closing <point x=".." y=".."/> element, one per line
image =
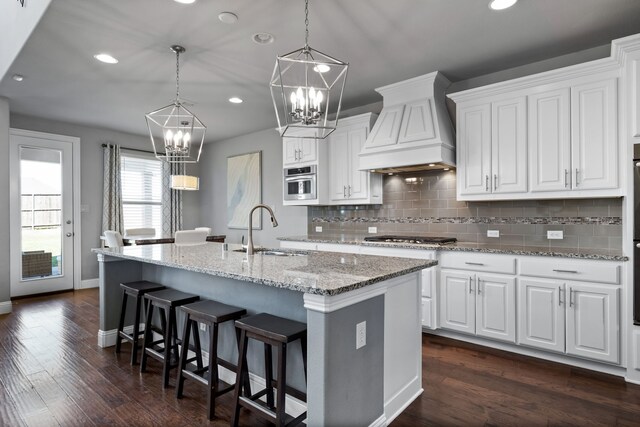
<point x="413" y="131"/>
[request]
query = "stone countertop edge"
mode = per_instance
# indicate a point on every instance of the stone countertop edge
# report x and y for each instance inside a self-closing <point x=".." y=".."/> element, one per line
<point x="458" y="247"/>
<point x="275" y="283"/>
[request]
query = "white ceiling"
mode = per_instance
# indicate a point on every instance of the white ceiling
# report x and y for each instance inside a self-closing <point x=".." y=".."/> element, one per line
<point x="383" y="40"/>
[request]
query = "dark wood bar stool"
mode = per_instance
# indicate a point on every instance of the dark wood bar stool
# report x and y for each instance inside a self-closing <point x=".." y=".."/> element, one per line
<point x="166" y="348"/>
<point x="212" y="314"/>
<point x="137" y="291"/>
<point x="278" y="332"/>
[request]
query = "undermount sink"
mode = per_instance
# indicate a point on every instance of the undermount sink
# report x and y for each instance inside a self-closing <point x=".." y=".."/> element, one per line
<point x="273" y="252"/>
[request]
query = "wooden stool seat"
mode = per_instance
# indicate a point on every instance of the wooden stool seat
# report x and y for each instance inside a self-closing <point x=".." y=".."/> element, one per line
<point x="137" y="291"/>
<point x="166" y="348"/>
<point x="278" y="332"/>
<point x="212" y="314"/>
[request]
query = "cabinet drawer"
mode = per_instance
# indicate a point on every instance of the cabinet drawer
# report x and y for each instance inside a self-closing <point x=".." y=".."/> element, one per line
<point x="568" y="269"/>
<point x="480" y="262"/>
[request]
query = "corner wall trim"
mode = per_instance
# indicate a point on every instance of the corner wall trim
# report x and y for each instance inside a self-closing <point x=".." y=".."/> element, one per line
<point x="89" y="283"/>
<point x="380" y="422"/>
<point x="5" y="307"/>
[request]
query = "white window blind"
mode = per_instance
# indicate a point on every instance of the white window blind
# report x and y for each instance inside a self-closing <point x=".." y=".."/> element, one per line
<point x="141" y="191"/>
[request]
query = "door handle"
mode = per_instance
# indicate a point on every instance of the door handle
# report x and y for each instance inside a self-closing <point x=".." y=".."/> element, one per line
<point x="470" y="288"/>
<point x="495" y="182"/>
<point x="486" y="183"/>
<point x="566" y="178"/>
<point x="571" y="297"/>
<point x="479" y="286"/>
<point x="638" y="245"/>
<point x="349" y="191"/>
<point x="68" y="221"/>
<point x="559" y="295"/>
<point x="344" y="191"/>
<point x="473" y="263"/>
<point x="565" y="271"/>
<point x="577" y="177"/>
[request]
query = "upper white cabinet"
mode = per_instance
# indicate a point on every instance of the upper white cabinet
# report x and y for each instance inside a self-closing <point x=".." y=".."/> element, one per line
<point x="540" y="137"/>
<point x="492" y="148"/>
<point x="347" y="183"/>
<point x="299" y="151"/>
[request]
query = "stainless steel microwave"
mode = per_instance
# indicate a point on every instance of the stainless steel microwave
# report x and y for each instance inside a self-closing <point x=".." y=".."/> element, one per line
<point x="300" y="183"/>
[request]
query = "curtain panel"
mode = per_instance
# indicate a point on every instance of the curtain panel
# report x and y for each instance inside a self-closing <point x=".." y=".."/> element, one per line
<point x="171" y="199"/>
<point x="112" y="218"/>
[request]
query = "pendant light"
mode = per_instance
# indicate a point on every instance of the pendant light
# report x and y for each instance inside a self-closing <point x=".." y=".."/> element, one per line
<point x="176" y="133"/>
<point x="306" y="88"/>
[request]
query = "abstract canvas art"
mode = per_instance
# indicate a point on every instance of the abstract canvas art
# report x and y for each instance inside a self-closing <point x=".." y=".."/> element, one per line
<point x="244" y="189"/>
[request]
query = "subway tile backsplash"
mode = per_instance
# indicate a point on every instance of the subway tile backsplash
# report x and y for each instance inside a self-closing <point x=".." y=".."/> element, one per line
<point x="427" y="205"/>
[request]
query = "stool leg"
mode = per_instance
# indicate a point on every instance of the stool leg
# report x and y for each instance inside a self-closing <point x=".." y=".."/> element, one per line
<point x="246" y="385"/>
<point x="196" y="340"/>
<point x="282" y="384"/>
<point x="168" y="347"/>
<point x="183" y="355"/>
<point x="303" y="346"/>
<point x="123" y="312"/>
<point x="136" y="333"/>
<point x="213" y="370"/>
<point x="268" y="374"/>
<point x="148" y="338"/>
<point x="242" y="370"/>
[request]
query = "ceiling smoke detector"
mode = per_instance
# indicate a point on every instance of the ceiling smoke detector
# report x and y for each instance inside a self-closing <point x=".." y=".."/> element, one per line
<point x="18" y="77"/>
<point x="228" y="17"/>
<point x="262" y="38"/>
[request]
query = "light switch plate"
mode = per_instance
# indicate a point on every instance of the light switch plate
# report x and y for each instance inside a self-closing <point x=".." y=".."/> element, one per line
<point x="361" y="334"/>
<point x="555" y="234"/>
<point x="493" y="233"/>
<point x="373" y="230"/>
<point x="318" y="229"/>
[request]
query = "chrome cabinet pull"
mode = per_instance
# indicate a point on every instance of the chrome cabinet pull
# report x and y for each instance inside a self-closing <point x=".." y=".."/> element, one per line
<point x="470" y="289"/>
<point x="577" y="183"/>
<point x="486" y="183"/>
<point x="571" y="297"/>
<point x="473" y="263"/>
<point x="565" y="271"/>
<point x="559" y="295"/>
<point x="566" y="178"/>
<point x="344" y="191"/>
<point x="349" y="191"/>
<point x="479" y="286"/>
<point x="495" y="182"/>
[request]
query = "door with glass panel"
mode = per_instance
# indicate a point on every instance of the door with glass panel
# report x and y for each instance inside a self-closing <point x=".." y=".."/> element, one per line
<point x="41" y="206"/>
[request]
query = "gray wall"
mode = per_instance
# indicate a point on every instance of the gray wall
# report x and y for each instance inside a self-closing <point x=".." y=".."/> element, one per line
<point x="5" y="281"/>
<point x="91" y="178"/>
<point x="213" y="188"/>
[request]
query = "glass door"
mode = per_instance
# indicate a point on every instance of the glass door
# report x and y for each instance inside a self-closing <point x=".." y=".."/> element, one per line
<point x="41" y="215"/>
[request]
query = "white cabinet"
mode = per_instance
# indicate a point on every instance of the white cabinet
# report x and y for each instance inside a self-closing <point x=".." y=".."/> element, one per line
<point x="298" y="151"/>
<point x="576" y="318"/>
<point x="347" y="183"/>
<point x="492" y="147"/>
<point x="484" y="305"/>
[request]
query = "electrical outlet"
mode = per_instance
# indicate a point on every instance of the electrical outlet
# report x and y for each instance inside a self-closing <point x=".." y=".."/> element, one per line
<point x="203" y="326"/>
<point x="373" y="230"/>
<point x="555" y="234"/>
<point x="493" y="233"/>
<point x="318" y="229"/>
<point x="361" y="334"/>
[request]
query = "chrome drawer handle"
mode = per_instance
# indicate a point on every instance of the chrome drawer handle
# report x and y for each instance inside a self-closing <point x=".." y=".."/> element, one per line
<point x="565" y="271"/>
<point x="473" y="263"/>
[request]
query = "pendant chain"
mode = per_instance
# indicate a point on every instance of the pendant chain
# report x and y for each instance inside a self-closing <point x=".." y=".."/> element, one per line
<point x="177" y="75"/>
<point x="306" y="24"/>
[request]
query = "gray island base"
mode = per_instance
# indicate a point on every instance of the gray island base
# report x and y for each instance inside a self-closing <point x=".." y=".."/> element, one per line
<point x="333" y="293"/>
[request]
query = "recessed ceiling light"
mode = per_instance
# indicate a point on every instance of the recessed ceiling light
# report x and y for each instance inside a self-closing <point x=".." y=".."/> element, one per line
<point x="235" y="100"/>
<point x="228" y="17"/>
<point x="18" y="77"/>
<point x="262" y="38"/>
<point x="321" y="68"/>
<point x="106" y="58"/>
<point x="185" y="1"/>
<point x="501" y="4"/>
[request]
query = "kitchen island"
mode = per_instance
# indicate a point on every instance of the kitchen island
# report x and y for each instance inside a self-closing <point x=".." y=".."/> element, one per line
<point x="331" y="292"/>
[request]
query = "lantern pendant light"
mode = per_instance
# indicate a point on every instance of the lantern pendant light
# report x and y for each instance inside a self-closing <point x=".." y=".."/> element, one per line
<point x="176" y="133"/>
<point x="306" y="89"/>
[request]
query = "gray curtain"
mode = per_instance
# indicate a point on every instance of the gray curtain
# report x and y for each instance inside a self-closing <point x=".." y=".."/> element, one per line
<point x="112" y="195"/>
<point x="171" y="199"/>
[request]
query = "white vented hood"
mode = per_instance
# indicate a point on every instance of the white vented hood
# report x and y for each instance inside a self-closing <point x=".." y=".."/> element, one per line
<point x="413" y="130"/>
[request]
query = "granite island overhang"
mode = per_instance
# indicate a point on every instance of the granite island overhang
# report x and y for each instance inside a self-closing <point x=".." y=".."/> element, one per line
<point x="331" y="292"/>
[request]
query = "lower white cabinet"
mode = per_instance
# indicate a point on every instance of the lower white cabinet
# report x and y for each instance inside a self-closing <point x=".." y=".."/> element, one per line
<point x="478" y="304"/>
<point x="569" y="317"/>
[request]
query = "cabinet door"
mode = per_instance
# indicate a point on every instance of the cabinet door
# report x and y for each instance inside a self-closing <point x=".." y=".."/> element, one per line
<point x="509" y="146"/>
<point x="457" y="298"/>
<point x="541" y="314"/>
<point x="308" y="150"/>
<point x="549" y="141"/>
<point x="417" y="122"/>
<point x="290" y="150"/>
<point x="427" y="313"/>
<point x="594" y="147"/>
<point x="338" y="165"/>
<point x="358" y="181"/>
<point x="496" y="308"/>
<point x="593" y="322"/>
<point x="474" y="148"/>
<point x="385" y="131"/>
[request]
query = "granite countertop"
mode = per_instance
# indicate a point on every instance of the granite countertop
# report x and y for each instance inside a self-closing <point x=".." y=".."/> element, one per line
<point x="595" y="254"/>
<point x="321" y="273"/>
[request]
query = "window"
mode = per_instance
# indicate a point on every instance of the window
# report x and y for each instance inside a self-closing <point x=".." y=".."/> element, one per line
<point x="141" y="190"/>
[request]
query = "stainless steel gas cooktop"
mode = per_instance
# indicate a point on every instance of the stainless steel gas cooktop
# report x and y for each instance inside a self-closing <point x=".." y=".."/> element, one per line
<point x="412" y="239"/>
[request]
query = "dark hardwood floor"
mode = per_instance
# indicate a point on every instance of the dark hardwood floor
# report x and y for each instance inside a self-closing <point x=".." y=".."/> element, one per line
<point x="53" y="373"/>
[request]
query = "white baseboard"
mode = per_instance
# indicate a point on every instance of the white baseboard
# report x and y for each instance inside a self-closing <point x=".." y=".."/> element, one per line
<point x="5" y="307"/>
<point x="108" y="338"/>
<point x="629" y="380"/>
<point x="403" y="398"/>
<point x="89" y="283"/>
<point x="380" y="422"/>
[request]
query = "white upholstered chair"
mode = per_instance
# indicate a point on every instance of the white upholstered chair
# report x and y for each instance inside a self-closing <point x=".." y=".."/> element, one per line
<point x="113" y="239"/>
<point x="207" y="229"/>
<point x="140" y="232"/>
<point x="190" y="237"/>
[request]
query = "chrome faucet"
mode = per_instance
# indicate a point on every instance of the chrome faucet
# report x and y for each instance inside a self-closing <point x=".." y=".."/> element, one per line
<point x="250" y="250"/>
